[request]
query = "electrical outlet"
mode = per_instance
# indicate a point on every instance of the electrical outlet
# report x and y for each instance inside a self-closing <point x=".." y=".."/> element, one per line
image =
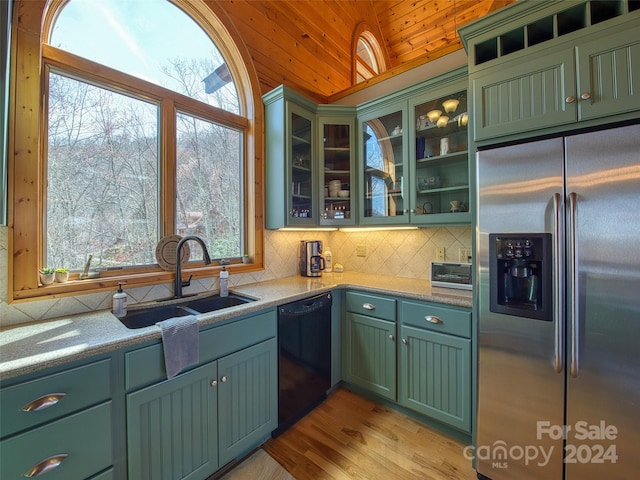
<point x="464" y="255"/>
<point x="440" y="254"/>
<point x="361" y="250"/>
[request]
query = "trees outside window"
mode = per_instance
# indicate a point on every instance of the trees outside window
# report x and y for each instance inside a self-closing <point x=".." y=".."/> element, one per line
<point x="145" y="132"/>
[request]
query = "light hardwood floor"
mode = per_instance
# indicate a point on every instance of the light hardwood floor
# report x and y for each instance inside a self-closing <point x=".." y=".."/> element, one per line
<point x="350" y="437"/>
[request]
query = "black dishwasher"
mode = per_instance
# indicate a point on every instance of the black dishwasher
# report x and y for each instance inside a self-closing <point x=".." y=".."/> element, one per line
<point x="304" y="357"/>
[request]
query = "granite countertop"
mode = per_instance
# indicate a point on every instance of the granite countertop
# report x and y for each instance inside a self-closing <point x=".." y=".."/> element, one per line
<point x="34" y="346"/>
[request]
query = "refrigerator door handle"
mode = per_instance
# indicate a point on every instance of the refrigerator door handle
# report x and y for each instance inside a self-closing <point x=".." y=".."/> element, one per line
<point x="558" y="300"/>
<point x="575" y="307"/>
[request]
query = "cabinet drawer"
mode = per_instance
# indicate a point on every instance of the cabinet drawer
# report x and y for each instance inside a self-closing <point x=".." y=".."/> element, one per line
<point x="38" y="401"/>
<point x="146" y="365"/>
<point x="371" y="305"/>
<point x="440" y="319"/>
<point x="85" y="439"/>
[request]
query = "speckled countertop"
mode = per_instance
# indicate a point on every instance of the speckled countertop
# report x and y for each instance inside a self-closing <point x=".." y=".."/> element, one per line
<point x="35" y="346"/>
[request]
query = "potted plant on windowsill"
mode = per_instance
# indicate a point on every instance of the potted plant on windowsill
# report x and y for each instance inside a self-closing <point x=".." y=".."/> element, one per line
<point x="62" y="275"/>
<point x="47" y="275"/>
<point x="246" y="258"/>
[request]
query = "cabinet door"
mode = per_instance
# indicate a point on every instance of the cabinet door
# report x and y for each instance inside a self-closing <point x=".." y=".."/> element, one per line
<point x="247" y="398"/>
<point x="525" y="95"/>
<point x="609" y="75"/>
<point x="301" y="203"/>
<point x="384" y="198"/>
<point x="371" y="354"/>
<point x="435" y="376"/>
<point x="337" y="172"/>
<point x="172" y="427"/>
<point x="440" y="167"/>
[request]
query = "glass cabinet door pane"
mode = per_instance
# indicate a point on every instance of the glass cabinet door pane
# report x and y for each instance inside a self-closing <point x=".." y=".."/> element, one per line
<point x="301" y="181"/>
<point x="382" y="192"/>
<point x="441" y="157"/>
<point x="336" y="159"/>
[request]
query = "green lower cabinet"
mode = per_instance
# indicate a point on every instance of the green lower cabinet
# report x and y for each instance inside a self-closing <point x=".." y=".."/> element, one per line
<point x="435" y="376"/>
<point x="189" y="426"/>
<point x="247" y="398"/>
<point x="371" y="354"/>
<point x="75" y="447"/>
<point x="172" y="427"/>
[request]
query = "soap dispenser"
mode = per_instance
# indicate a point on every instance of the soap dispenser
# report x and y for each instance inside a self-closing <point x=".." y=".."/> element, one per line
<point x="224" y="282"/>
<point x="120" y="302"/>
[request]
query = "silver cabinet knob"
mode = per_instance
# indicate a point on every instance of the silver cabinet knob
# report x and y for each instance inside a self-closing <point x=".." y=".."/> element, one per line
<point x="412" y="210"/>
<point x="570" y="99"/>
<point x="392" y="338"/>
<point x="214" y="383"/>
<point x="585" y="96"/>
<point x="223" y="378"/>
<point x="405" y="341"/>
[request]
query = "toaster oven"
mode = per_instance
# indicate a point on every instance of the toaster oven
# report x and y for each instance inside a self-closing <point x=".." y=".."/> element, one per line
<point x="451" y="275"/>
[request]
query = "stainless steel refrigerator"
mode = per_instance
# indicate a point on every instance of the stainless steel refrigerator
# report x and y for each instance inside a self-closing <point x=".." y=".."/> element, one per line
<point x="558" y="243"/>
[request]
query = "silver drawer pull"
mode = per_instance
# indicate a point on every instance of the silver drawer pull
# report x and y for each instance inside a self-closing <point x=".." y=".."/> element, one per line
<point x="43" y="402"/>
<point x="368" y="306"/>
<point x="432" y="319"/>
<point x="46" y="465"/>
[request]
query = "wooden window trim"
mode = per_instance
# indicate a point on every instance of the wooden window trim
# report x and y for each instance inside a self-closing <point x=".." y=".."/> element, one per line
<point x="363" y="30"/>
<point x="30" y="57"/>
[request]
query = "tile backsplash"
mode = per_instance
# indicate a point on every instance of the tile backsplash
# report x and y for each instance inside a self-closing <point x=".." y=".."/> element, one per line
<point x="401" y="253"/>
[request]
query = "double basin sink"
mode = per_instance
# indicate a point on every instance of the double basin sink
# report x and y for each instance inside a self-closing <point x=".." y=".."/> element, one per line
<point x="147" y="316"/>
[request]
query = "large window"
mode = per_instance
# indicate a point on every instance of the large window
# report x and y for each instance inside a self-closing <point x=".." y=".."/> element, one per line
<point x="145" y="132"/>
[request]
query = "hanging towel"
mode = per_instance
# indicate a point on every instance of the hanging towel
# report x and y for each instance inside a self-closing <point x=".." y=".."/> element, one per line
<point x="180" y="342"/>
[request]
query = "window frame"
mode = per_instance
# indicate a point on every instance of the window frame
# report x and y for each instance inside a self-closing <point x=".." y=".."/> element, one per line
<point x="365" y="33"/>
<point x="32" y="59"/>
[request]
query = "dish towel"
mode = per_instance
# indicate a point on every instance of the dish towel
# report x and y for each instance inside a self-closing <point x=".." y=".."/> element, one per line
<point x="180" y="343"/>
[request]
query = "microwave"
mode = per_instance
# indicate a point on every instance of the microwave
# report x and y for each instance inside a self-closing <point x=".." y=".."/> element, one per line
<point x="451" y="275"/>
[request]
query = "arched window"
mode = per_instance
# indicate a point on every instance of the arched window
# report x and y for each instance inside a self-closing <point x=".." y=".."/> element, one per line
<point x="146" y="132"/>
<point x="368" y="57"/>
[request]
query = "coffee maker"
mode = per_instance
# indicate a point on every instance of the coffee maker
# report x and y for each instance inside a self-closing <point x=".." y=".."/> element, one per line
<point x="310" y="258"/>
<point x="520" y="274"/>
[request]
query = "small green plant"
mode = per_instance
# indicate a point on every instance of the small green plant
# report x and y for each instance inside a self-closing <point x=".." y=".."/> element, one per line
<point x="47" y="271"/>
<point x="62" y="270"/>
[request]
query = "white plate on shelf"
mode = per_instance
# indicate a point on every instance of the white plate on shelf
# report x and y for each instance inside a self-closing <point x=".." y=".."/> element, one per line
<point x="166" y="252"/>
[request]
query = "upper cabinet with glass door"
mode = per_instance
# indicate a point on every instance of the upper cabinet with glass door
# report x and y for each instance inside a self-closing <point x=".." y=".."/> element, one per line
<point x="383" y="171"/>
<point x="291" y="191"/>
<point x="336" y="170"/>
<point x="440" y="166"/>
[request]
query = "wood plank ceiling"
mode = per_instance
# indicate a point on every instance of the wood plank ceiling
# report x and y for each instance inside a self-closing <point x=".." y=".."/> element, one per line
<point x="307" y="44"/>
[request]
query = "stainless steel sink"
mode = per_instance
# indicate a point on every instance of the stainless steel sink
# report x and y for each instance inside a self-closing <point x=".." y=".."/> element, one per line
<point x="150" y="315"/>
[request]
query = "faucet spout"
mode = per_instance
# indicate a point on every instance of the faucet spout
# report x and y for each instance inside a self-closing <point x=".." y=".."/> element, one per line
<point x="177" y="292"/>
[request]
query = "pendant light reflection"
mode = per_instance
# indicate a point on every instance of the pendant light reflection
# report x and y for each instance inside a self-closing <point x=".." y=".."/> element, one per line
<point x="442" y="121"/>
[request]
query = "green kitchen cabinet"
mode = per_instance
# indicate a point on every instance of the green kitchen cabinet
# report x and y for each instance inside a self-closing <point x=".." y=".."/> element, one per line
<point x="307" y="146"/>
<point x="44" y="423"/>
<point x="435" y="362"/>
<point x="545" y="67"/>
<point x="172" y="427"/>
<point x="370" y="343"/>
<point x="247" y="399"/>
<point x="413" y="169"/>
<point x="384" y="171"/>
<point x="291" y="187"/>
<point x="193" y="424"/>
<point x="429" y="371"/>
<point x="336" y="170"/>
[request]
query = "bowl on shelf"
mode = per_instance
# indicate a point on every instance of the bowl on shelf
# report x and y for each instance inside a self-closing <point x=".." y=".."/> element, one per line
<point x="427" y="183"/>
<point x="343" y="193"/>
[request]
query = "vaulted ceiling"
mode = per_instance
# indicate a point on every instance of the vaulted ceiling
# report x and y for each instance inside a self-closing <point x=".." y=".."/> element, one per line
<point x="307" y="44"/>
